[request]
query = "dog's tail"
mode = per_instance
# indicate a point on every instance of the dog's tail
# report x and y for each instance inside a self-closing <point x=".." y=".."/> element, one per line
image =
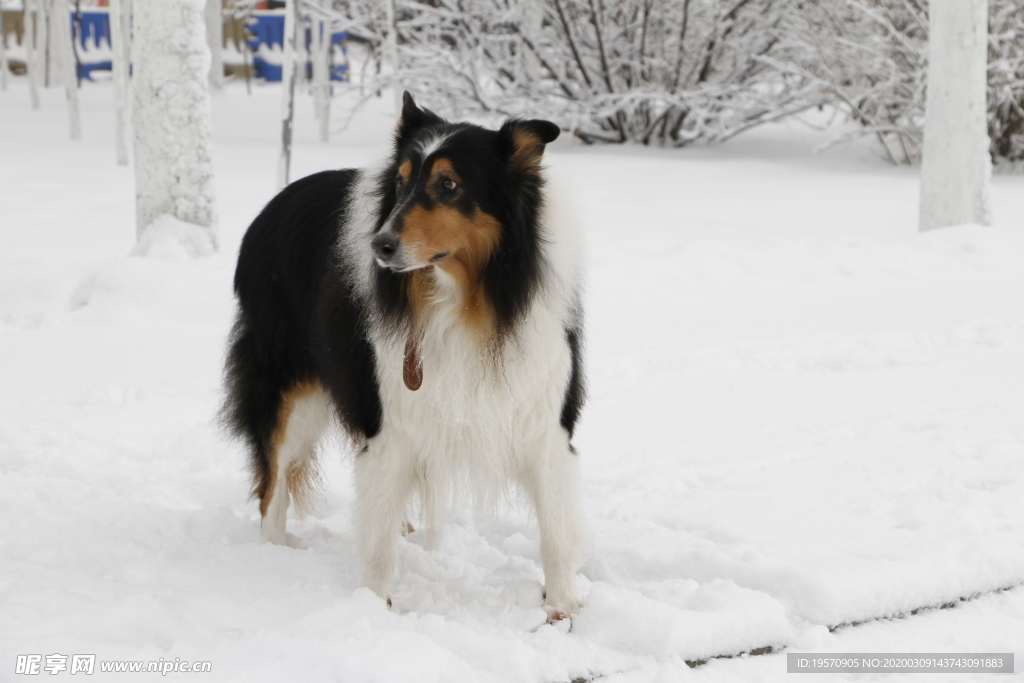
<point x="252" y="400"/>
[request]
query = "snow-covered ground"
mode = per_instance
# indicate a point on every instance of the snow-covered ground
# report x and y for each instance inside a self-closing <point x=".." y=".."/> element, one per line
<point x="803" y="414"/>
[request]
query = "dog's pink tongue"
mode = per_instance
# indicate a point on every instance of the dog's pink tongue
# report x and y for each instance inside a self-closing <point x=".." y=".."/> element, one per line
<point x="412" y="370"/>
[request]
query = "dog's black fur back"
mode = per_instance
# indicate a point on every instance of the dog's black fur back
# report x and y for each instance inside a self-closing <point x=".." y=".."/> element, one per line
<point x="297" y="321"/>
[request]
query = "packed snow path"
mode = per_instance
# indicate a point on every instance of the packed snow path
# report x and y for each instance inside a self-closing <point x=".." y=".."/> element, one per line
<point x="802" y="414"/>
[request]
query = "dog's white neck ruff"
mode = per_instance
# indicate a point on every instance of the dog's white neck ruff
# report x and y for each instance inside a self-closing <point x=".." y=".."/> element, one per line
<point x="479" y="410"/>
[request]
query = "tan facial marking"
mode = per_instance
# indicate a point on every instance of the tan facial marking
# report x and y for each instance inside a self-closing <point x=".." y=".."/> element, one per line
<point x="442" y="168"/>
<point x="405" y="170"/>
<point x="466" y="242"/>
<point x="446" y="230"/>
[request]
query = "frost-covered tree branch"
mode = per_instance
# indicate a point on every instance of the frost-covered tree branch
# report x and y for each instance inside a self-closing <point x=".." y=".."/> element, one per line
<point x="623" y="71"/>
<point x="872" y="57"/>
<point x="673" y="72"/>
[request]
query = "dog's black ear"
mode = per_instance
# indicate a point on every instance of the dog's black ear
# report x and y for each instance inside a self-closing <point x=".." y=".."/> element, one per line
<point x="525" y="141"/>
<point x="414" y="117"/>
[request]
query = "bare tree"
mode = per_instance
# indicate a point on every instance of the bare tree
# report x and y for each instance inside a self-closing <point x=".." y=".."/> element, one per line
<point x="3" y="53"/>
<point x="119" y="21"/>
<point x="323" y="18"/>
<point x="288" y="81"/>
<point x="32" y="21"/>
<point x="64" y="56"/>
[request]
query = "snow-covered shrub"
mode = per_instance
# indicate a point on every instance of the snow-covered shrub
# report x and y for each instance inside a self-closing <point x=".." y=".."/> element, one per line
<point x="869" y="57"/>
<point x="666" y="71"/>
<point x="1006" y="79"/>
<point x="677" y="71"/>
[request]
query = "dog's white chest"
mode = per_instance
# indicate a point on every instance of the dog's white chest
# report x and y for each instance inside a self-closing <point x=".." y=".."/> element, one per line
<point x="476" y="409"/>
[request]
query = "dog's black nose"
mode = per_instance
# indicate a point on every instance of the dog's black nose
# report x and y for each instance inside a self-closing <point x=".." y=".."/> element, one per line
<point x="384" y="245"/>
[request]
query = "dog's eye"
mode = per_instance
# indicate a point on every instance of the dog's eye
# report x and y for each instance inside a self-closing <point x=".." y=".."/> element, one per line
<point x="398" y="183"/>
<point x="448" y="185"/>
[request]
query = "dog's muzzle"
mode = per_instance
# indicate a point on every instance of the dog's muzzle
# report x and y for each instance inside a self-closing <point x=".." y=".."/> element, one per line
<point x="385" y="247"/>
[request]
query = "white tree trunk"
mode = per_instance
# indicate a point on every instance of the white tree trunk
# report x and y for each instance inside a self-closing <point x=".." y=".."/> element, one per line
<point x="215" y="39"/>
<point x="64" y="53"/>
<point x="31" y="62"/>
<point x="956" y="166"/>
<point x="119" y="48"/>
<point x="171" y="114"/>
<point x="288" y="92"/>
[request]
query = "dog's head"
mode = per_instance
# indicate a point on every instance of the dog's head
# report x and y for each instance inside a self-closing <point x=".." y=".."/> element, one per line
<point x="451" y="188"/>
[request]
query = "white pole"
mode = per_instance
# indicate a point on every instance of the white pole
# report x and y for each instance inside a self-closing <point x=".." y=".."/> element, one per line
<point x="322" y="78"/>
<point x="215" y="39"/>
<point x="317" y="27"/>
<point x="120" y="69"/>
<point x="60" y="21"/>
<point x="31" y="20"/>
<point x="127" y="22"/>
<point x="3" y="53"/>
<point x="288" y="91"/>
<point x="46" y="55"/>
<point x="301" y="53"/>
<point x="956" y="166"/>
<point x="389" y="5"/>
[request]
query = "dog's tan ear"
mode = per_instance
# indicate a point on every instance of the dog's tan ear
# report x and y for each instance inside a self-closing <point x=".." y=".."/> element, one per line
<point x="414" y="117"/>
<point x="525" y="141"/>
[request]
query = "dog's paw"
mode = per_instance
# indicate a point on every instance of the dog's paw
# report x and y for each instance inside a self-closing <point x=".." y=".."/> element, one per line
<point x="563" y="610"/>
<point x="275" y="535"/>
<point x="382" y="595"/>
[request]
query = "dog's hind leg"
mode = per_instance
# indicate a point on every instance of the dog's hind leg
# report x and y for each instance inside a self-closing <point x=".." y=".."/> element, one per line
<point x="551" y="477"/>
<point x="385" y="476"/>
<point x="301" y="420"/>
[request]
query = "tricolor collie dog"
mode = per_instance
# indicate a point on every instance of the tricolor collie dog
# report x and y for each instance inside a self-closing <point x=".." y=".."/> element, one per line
<point x="432" y="305"/>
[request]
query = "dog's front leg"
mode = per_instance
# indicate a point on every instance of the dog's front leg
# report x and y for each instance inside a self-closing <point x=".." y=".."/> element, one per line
<point x="551" y="476"/>
<point x="384" y="479"/>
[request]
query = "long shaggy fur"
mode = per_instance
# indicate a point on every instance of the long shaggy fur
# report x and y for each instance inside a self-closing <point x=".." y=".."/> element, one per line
<point x="457" y="257"/>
